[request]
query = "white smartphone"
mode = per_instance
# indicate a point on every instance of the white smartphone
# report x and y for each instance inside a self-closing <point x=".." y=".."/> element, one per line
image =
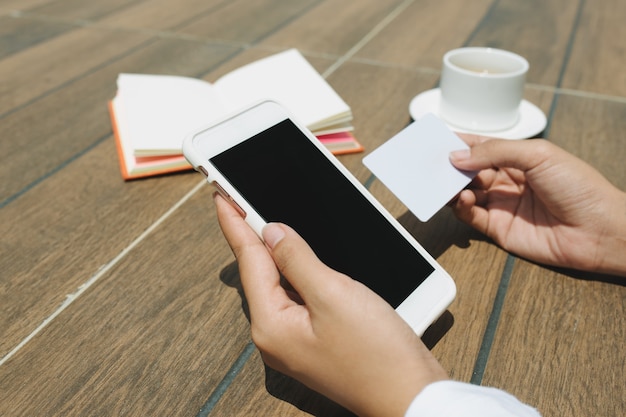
<point x="274" y="170"/>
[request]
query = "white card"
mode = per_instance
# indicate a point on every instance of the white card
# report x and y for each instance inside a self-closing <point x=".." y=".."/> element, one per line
<point x="415" y="166"/>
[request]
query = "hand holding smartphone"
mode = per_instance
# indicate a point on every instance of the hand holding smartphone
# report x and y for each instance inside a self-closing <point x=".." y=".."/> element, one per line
<point x="274" y="170"/>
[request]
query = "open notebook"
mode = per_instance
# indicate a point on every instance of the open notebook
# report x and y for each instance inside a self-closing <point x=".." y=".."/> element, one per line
<point x="151" y="114"/>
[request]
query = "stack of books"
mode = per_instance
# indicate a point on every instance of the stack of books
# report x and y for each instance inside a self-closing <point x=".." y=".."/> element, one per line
<point x="152" y="114"/>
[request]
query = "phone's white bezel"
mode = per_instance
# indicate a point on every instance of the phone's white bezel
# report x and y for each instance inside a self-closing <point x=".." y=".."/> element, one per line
<point x="421" y="308"/>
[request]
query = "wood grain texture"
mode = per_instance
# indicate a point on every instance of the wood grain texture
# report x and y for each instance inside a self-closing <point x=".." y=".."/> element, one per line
<point x="597" y="59"/>
<point x="261" y="391"/>
<point x="593" y="130"/>
<point x="69" y="213"/>
<point x="248" y="21"/>
<point x="21" y="5"/>
<point x="476" y="267"/>
<point x="75" y="9"/>
<point x="560" y="343"/>
<point x="379" y="97"/>
<point x="538" y="30"/>
<point x="162" y="330"/>
<point x="165" y="322"/>
<point x="60" y="123"/>
<point x="59" y="234"/>
<point x="333" y="26"/>
<point x="160" y="15"/>
<point x="420" y="36"/>
<point x="22" y="73"/>
<point x="20" y="34"/>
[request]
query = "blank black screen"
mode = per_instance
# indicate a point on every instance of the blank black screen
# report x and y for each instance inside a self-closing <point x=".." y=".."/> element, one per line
<point x="287" y="179"/>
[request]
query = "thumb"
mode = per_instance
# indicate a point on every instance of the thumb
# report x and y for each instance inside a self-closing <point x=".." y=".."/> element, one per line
<point x="296" y="260"/>
<point x="500" y="153"/>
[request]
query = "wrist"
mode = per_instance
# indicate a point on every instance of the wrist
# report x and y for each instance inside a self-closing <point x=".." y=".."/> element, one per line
<point x="418" y="377"/>
<point x="401" y="392"/>
<point x="393" y="390"/>
<point x="613" y="246"/>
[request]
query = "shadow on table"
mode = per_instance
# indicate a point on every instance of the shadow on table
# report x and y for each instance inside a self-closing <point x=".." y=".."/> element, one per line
<point x="441" y="232"/>
<point x="297" y="394"/>
<point x="277" y="384"/>
<point x="436" y="236"/>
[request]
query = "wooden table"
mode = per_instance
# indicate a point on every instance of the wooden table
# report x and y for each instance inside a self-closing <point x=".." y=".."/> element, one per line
<point x="122" y="298"/>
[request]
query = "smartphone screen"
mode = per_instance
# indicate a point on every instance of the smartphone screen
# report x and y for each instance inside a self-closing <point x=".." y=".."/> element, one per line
<point x="288" y="179"/>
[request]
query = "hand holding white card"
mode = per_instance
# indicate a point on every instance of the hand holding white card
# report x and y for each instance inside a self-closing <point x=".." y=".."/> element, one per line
<point x="415" y="166"/>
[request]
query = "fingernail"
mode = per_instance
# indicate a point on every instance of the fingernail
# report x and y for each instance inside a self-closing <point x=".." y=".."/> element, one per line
<point x="460" y="155"/>
<point x="272" y="234"/>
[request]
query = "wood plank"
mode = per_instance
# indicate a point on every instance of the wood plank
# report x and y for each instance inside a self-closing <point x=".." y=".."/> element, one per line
<point x="47" y="130"/>
<point x="79" y="10"/>
<point x="159" y="15"/>
<point x="61" y="230"/>
<point x="19" y="34"/>
<point x="153" y="336"/>
<point x="561" y="337"/>
<point x="333" y="27"/>
<point x="379" y="97"/>
<point x="18" y="5"/>
<point x="593" y="129"/>
<point x="261" y="391"/>
<point x="60" y="233"/>
<point x="539" y="30"/>
<point x="418" y="40"/>
<point x="560" y="342"/>
<point x="46" y="66"/>
<point x="597" y="59"/>
<point x="475" y="265"/>
<point x="247" y="21"/>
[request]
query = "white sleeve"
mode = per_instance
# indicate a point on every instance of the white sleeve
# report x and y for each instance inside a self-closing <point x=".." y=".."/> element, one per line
<point x="459" y="399"/>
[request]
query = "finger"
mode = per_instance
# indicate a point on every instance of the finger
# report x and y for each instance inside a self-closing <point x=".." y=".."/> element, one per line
<point x="481" y="198"/>
<point x="467" y="210"/>
<point x="479" y="185"/>
<point x="234" y="227"/>
<point x="298" y="263"/>
<point x="472" y="139"/>
<point x="483" y="180"/>
<point x="259" y="276"/>
<point x="500" y="153"/>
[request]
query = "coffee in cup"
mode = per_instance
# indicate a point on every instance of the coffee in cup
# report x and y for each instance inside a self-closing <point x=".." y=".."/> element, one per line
<point x="482" y="88"/>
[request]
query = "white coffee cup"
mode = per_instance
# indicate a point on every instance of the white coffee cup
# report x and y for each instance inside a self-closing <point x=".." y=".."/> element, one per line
<point x="482" y="88"/>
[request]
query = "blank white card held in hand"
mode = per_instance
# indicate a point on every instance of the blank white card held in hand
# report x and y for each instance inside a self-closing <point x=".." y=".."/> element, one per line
<point x="415" y="166"/>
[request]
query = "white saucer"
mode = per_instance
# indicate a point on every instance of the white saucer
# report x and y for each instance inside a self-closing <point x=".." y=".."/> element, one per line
<point x="531" y="122"/>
